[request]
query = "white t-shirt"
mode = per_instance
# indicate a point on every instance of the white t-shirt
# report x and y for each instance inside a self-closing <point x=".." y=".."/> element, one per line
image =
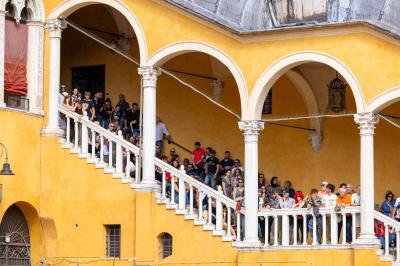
<point x="396" y="205"/>
<point x="161" y="130"/>
<point x="329" y="200"/>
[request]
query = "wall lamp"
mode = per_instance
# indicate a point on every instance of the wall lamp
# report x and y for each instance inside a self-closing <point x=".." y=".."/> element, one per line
<point x="6" y="166"/>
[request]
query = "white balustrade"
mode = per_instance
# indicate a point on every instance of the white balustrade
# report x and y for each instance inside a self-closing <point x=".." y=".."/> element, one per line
<point x="286" y="226"/>
<point x="217" y="221"/>
<point x="392" y="229"/>
<point x="87" y="132"/>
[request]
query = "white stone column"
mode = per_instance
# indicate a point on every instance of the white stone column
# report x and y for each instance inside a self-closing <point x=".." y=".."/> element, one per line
<point x="35" y="66"/>
<point x="55" y="28"/>
<point x="2" y="39"/>
<point x="366" y="124"/>
<point x="251" y="130"/>
<point x="149" y="84"/>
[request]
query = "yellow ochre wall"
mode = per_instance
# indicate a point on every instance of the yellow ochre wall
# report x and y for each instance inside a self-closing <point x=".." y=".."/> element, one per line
<point x="66" y="202"/>
<point x="284" y="152"/>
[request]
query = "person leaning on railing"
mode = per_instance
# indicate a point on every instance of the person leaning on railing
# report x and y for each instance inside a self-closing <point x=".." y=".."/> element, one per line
<point x="314" y="202"/>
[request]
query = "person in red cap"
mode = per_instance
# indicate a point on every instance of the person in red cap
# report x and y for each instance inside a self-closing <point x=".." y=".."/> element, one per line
<point x="299" y="203"/>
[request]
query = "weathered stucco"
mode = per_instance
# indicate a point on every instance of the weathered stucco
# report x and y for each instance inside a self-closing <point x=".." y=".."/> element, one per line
<point x="257" y="15"/>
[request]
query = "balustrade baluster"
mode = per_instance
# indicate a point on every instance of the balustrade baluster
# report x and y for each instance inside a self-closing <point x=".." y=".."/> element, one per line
<point x="285" y="230"/>
<point x="209" y="210"/>
<point x="200" y="207"/>
<point x="315" y="232"/>
<point x="267" y="232"/>
<point x="68" y="136"/>
<point x="181" y="195"/>
<point x="101" y="149"/>
<point x="344" y="229"/>
<point x="276" y="230"/>
<point x="93" y="133"/>
<point x="397" y="245"/>
<point x="172" y="199"/>
<point x="304" y="230"/>
<point x="386" y="239"/>
<point x="76" y="133"/>
<point x="323" y="229"/>
<point x="354" y="226"/>
<point x="118" y="156"/>
<point x="84" y="148"/>
<point x="110" y="154"/>
<point x="137" y="169"/>
<point x="219" y="212"/>
<point x="190" y="200"/>
<point x="164" y="185"/>
<point x="128" y="160"/>
<point x="228" y="221"/>
<point x="238" y="229"/>
<point x="334" y="228"/>
<point x="294" y="230"/>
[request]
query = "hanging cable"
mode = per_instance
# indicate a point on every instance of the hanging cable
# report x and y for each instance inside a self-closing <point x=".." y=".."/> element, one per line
<point x="167" y="72"/>
<point x="388" y="120"/>
<point x="288" y="118"/>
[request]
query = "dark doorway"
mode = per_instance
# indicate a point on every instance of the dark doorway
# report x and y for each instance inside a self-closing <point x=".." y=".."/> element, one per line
<point x="89" y="78"/>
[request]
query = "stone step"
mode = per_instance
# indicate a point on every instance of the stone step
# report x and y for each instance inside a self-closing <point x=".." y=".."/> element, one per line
<point x="208" y="227"/>
<point x="199" y="222"/>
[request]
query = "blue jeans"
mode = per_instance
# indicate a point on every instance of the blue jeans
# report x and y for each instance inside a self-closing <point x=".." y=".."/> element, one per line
<point x="310" y="227"/>
<point x="210" y="180"/>
<point x="382" y="239"/>
<point x="160" y="144"/>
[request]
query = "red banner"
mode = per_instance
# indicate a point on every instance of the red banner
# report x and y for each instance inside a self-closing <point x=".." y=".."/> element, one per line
<point x="15" y="58"/>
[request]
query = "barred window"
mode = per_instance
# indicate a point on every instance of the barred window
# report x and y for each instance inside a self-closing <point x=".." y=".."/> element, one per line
<point x="113" y="241"/>
<point x="165" y="245"/>
<point x="267" y="107"/>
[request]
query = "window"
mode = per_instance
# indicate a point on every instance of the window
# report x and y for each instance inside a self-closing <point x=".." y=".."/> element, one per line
<point x="267" y="107"/>
<point x="113" y="241"/>
<point x="165" y="245"/>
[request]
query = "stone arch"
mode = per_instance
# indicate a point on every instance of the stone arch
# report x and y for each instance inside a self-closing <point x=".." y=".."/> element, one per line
<point x="281" y="66"/>
<point x="70" y="6"/>
<point x="173" y="50"/>
<point x="32" y="220"/>
<point x="383" y="100"/>
<point x="307" y="93"/>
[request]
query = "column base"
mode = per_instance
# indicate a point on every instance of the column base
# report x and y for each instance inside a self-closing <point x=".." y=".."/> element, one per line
<point x="2" y="105"/>
<point x="250" y="243"/>
<point x="52" y="131"/>
<point x="367" y="241"/>
<point x="147" y="186"/>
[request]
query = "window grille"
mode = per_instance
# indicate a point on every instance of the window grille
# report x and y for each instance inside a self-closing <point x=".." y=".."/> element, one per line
<point x="113" y="241"/>
<point x="166" y="245"/>
<point x="267" y="107"/>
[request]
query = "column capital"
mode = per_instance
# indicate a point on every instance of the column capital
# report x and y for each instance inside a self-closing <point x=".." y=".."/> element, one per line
<point x="149" y="73"/>
<point x="55" y="27"/>
<point x="251" y="127"/>
<point x="366" y="122"/>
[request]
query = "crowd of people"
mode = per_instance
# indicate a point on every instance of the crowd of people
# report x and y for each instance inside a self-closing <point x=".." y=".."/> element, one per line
<point x="227" y="173"/>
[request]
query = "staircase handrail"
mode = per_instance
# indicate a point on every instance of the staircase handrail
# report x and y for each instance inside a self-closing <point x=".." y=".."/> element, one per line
<point x="99" y="129"/>
<point x="195" y="183"/>
<point x="387" y="220"/>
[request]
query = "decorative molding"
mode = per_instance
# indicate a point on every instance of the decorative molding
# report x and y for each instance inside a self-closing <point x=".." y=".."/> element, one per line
<point x="149" y="73"/>
<point x="282" y="65"/>
<point x="55" y="27"/>
<point x="68" y="7"/>
<point x="172" y="50"/>
<point x="18" y="6"/>
<point x="366" y="122"/>
<point x="251" y="127"/>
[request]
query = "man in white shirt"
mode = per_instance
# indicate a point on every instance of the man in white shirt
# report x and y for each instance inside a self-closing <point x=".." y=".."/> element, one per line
<point x="329" y="198"/>
<point x="161" y="131"/>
